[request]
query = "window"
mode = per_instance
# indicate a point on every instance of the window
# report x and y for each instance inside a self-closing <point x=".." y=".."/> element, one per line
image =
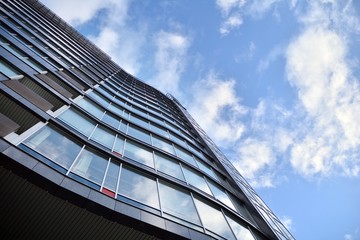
<point x="213" y="220"/>
<point x="103" y="136"/>
<point x="111" y="178"/>
<point x="90" y="165"/>
<point x="178" y="203"/>
<point x="111" y="120"/>
<point x="221" y="195"/>
<point x="51" y="143"/>
<point x="116" y="109"/>
<point x="185" y="156"/>
<point x="7" y="69"/>
<point x="139" y="121"/>
<point x="138" y="133"/>
<point x="119" y="145"/>
<point x="159" y="130"/>
<point x="78" y="121"/>
<point x="139" y="153"/>
<point x="168" y="166"/>
<point x="98" y="98"/>
<point x="138" y="187"/>
<point x="206" y="168"/>
<point x="177" y="140"/>
<point x="163" y="144"/>
<point x="241" y="233"/>
<point x="196" y="180"/>
<point x="90" y="107"/>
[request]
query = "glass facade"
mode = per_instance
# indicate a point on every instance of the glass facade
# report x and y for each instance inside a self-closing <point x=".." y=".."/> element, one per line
<point x="117" y="135"/>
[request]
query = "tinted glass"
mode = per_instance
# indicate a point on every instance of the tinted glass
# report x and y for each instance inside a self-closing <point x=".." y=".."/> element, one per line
<point x="90" y="165"/>
<point x="178" y="203"/>
<point x="78" y="121"/>
<point x="112" y="176"/>
<point x="138" y="187"/>
<point x="213" y="219"/>
<point x="221" y="195"/>
<point x="167" y="165"/>
<point x="111" y="120"/>
<point x="138" y="133"/>
<point x="139" y="153"/>
<point x="196" y="180"/>
<point x="162" y="144"/>
<point x="51" y="143"/>
<point x="103" y="136"/>
<point x="90" y="107"/>
<point x="241" y="233"/>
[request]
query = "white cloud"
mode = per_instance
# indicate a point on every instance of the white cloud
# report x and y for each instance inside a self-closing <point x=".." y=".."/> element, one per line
<point x="227" y="5"/>
<point x="234" y="11"/>
<point x="81" y="11"/>
<point x="254" y="155"/>
<point x="258" y="8"/>
<point x="170" y="60"/>
<point x="230" y="23"/>
<point x="328" y="137"/>
<point x="217" y="100"/>
<point x="288" y="223"/>
<point x="124" y="48"/>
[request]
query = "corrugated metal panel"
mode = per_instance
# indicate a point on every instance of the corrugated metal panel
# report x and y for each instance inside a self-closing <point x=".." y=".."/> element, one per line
<point x="17" y="113"/>
<point x="29" y="212"/>
<point x="42" y="92"/>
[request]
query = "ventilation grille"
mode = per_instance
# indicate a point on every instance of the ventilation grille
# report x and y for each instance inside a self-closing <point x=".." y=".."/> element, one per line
<point x="63" y="84"/>
<point x="42" y="92"/>
<point x="17" y="113"/>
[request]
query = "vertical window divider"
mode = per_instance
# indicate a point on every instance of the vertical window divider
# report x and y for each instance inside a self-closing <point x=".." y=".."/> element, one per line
<point x="106" y="170"/>
<point x="159" y="198"/>
<point x="197" y="212"/>
<point x="92" y="132"/>
<point x="118" y="180"/>
<point x="222" y="211"/>
<point x="72" y="165"/>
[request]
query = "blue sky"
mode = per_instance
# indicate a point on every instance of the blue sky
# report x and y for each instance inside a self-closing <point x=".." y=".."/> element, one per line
<point x="275" y="84"/>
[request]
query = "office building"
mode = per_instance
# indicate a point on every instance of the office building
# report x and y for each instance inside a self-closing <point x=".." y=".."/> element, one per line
<point x="90" y="152"/>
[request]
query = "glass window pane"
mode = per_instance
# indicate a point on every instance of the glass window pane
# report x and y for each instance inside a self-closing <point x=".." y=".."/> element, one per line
<point x="119" y="145"/>
<point x="240" y="207"/>
<point x="139" y="121"/>
<point x="157" y="120"/>
<point x="78" y="121"/>
<point x="138" y="187"/>
<point x="90" y="107"/>
<point x="90" y="165"/>
<point x="103" y="136"/>
<point x="138" y="133"/>
<point x="241" y="233"/>
<point x="159" y="130"/>
<point x="162" y="144"/>
<point x="51" y="143"/>
<point x="139" y="153"/>
<point x="206" y="168"/>
<point x="178" y="203"/>
<point x="167" y="165"/>
<point x="111" y="120"/>
<point x="8" y="70"/>
<point x="98" y="98"/>
<point x="213" y="219"/>
<point x="177" y="139"/>
<point x="221" y="195"/>
<point x="112" y="176"/>
<point x="185" y="156"/>
<point x="116" y="109"/>
<point x="196" y="180"/>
